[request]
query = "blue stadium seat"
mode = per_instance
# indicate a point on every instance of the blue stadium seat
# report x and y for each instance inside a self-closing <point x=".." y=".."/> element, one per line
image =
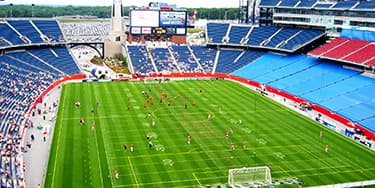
<point x="226" y="58"/>
<point x="237" y="33"/>
<point x="216" y="32"/>
<point x="63" y="61"/>
<point x="268" y="3"/>
<point x="365" y="5"/>
<point x="259" y="34"/>
<point x="10" y="35"/>
<point x="50" y="28"/>
<point x="163" y="60"/>
<point x="301" y="39"/>
<point x="26" y="29"/>
<point x="344" y="4"/>
<point x="281" y="36"/>
<point x="306" y="3"/>
<point x="184" y="59"/>
<point x="206" y="56"/>
<point x="266" y="63"/>
<point x="288" y="3"/>
<point x="27" y="58"/>
<point x="323" y="5"/>
<point x="368" y="123"/>
<point x="140" y="61"/>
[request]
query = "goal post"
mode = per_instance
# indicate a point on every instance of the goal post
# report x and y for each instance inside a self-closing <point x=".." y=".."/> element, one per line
<point x="261" y="174"/>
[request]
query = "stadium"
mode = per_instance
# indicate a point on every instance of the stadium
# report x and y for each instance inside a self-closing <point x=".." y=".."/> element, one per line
<point x="281" y="96"/>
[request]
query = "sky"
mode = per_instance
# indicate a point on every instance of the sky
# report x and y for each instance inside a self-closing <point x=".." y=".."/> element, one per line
<point x="179" y="3"/>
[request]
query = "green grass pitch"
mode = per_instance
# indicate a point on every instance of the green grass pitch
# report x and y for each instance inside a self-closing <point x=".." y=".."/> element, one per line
<point x="277" y="137"/>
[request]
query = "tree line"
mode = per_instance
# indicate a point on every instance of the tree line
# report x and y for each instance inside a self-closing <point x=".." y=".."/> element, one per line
<point x="22" y="11"/>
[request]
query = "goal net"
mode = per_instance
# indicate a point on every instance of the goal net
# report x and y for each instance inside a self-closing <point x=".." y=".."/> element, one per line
<point x="261" y="174"/>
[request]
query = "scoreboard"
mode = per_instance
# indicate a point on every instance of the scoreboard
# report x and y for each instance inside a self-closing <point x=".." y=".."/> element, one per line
<point x="158" y="22"/>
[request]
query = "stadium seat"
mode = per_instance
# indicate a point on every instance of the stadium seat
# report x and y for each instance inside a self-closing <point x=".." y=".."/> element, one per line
<point x="26" y="29"/>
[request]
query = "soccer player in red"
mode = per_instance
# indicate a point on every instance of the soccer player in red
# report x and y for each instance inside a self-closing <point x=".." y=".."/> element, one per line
<point x="161" y="100"/>
<point x="92" y="125"/>
<point x="145" y="106"/>
<point x="125" y="147"/>
<point x="185" y="105"/>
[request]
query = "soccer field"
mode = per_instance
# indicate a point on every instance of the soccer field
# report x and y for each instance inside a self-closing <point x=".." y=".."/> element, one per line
<point x="288" y="143"/>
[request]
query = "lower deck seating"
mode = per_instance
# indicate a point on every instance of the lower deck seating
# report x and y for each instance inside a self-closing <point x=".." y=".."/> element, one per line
<point x="340" y="90"/>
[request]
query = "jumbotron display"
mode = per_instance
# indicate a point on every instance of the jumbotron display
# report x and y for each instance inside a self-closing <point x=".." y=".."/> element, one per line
<point x="158" y="22"/>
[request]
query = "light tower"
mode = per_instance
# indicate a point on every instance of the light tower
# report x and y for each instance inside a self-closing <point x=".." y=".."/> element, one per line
<point x="112" y="45"/>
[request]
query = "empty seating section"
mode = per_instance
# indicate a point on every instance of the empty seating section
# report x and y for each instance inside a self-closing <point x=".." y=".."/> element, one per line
<point x="259" y="34"/>
<point x="324" y="79"/>
<point x="328" y="46"/>
<point x="345" y="49"/>
<point x="63" y="61"/>
<point x="323" y="5"/>
<point x="206" y="56"/>
<point x="50" y="28"/>
<point x="28" y="32"/>
<point x="27" y="58"/>
<point x="264" y="64"/>
<point x="344" y="4"/>
<point x="340" y="90"/>
<point x="246" y="57"/>
<point x="281" y="36"/>
<point x="140" y="60"/>
<point x="237" y="33"/>
<point x="298" y="64"/>
<point x="371" y="62"/>
<point x="362" y="54"/>
<point x="349" y="50"/>
<point x="271" y="3"/>
<point x="26" y="29"/>
<point x="306" y="4"/>
<point x="184" y="59"/>
<point x="3" y="42"/>
<point x="288" y="3"/>
<point x="226" y="58"/>
<point x="369" y="121"/>
<point x="163" y="60"/>
<point x="290" y="39"/>
<point x="301" y="39"/>
<point x="216" y="32"/>
<point x="10" y="35"/>
<point x="366" y="5"/>
<point x="330" y="91"/>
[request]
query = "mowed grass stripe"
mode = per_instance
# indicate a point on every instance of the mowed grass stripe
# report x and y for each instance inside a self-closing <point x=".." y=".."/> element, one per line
<point x="280" y="138"/>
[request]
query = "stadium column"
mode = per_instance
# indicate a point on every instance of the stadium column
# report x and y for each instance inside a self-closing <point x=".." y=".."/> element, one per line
<point x="112" y="45"/>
